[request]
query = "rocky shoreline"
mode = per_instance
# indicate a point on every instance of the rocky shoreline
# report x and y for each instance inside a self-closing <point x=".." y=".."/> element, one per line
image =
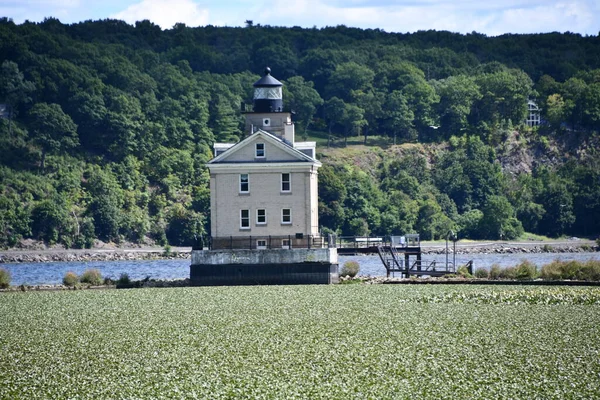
<point x="91" y="255"/>
<point x="45" y="256"/>
<point x="511" y="249"/>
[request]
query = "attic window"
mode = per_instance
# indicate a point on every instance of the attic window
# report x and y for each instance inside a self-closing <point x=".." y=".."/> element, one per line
<point x="260" y="150"/>
<point x="266" y="121"/>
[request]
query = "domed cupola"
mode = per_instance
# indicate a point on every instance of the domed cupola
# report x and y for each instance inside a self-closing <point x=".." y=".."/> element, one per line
<point x="268" y="94"/>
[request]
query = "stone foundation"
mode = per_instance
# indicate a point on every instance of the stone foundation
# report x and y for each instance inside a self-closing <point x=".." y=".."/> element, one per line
<point x="264" y="267"/>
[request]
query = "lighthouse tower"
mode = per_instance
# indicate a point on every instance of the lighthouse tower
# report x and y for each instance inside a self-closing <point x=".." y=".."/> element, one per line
<point x="267" y="109"/>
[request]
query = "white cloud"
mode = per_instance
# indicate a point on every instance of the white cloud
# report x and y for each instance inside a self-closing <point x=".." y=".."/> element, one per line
<point x="165" y="13"/>
<point x="492" y="17"/>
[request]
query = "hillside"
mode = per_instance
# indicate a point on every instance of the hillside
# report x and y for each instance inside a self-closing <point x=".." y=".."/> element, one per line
<point x="105" y="128"/>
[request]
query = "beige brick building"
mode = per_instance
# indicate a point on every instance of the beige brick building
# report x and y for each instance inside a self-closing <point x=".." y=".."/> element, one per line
<point x="265" y="185"/>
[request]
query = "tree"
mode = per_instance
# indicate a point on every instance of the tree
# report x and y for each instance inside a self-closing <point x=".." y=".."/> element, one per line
<point x="302" y="99"/>
<point x="353" y="121"/>
<point x="14" y="89"/>
<point x="398" y="116"/>
<point x="348" y="78"/>
<point x="457" y="96"/>
<point x="334" y="110"/>
<point x="498" y="221"/>
<point x="52" y="129"/>
<point x="556" y="110"/>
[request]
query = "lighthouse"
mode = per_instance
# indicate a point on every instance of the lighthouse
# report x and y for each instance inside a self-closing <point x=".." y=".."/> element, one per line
<point x="264" y="204"/>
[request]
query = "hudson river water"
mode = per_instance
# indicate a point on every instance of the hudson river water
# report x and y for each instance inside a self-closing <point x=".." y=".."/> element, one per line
<point x="52" y="273"/>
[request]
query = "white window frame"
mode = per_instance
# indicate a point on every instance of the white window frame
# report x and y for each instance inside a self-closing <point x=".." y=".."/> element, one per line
<point x="247" y="183"/>
<point x="285" y="243"/>
<point x="246" y="218"/>
<point x="289" y="182"/>
<point x="261" y="244"/>
<point x="283" y="221"/>
<point x="264" y="216"/>
<point x="257" y="150"/>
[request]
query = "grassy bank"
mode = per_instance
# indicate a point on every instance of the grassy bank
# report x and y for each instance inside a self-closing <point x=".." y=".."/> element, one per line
<point x="342" y="341"/>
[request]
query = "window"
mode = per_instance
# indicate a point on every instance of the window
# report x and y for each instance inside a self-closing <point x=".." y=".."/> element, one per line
<point x="261" y="217"/>
<point x="244" y="219"/>
<point x="260" y="150"/>
<point x="285" y="244"/>
<point x="261" y="244"/>
<point x="286" y="184"/>
<point x="286" y="216"/>
<point x="244" y="183"/>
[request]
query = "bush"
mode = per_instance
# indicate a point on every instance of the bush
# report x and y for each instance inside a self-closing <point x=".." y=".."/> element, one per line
<point x="570" y="269"/>
<point x="4" y="278"/>
<point x="481" y="273"/>
<point x="350" y="269"/>
<point x="463" y="272"/>
<point x="124" y="280"/>
<point x="495" y="272"/>
<point x="70" y="279"/>
<point x="508" y="273"/>
<point x="92" y="277"/>
<point x="590" y="271"/>
<point x="525" y="271"/>
<point x="557" y="270"/>
<point x="552" y="271"/>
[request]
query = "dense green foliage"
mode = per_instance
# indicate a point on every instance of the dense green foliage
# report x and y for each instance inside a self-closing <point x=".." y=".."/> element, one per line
<point x="318" y="342"/>
<point x="108" y="127"/>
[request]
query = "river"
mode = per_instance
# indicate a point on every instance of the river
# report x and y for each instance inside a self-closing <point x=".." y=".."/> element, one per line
<point x="52" y="273"/>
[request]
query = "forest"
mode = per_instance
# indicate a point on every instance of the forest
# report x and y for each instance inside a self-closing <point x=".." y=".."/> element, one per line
<point x="105" y="128"/>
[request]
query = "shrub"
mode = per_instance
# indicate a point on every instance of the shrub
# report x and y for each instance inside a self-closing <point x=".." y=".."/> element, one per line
<point x="508" y="273"/>
<point x="4" y="278"/>
<point x="70" y="279"/>
<point x="547" y="248"/>
<point x="570" y="269"/>
<point x="92" y="276"/>
<point x="124" y="280"/>
<point x="495" y="272"/>
<point x="350" y="269"/>
<point x="481" y="273"/>
<point x="463" y="272"/>
<point x="590" y="271"/>
<point x="552" y="271"/>
<point x="525" y="271"/>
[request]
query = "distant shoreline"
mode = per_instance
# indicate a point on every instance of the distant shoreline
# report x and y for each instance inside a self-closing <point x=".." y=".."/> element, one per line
<point x="156" y="253"/>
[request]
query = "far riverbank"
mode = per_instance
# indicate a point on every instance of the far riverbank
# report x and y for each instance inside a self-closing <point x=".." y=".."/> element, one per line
<point x="174" y="253"/>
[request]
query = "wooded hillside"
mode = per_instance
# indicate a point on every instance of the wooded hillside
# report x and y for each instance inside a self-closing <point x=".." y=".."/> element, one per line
<point x="107" y="127"/>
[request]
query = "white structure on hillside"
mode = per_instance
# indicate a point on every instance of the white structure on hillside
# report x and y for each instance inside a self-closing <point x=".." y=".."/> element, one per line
<point x="533" y="114"/>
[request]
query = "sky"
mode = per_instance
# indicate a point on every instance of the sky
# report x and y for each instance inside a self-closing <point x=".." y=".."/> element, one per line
<point x="492" y="17"/>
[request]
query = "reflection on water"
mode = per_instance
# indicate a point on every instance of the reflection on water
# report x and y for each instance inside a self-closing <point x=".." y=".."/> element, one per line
<point x="52" y="273"/>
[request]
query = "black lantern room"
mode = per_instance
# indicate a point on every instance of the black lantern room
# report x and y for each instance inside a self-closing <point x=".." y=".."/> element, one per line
<point x="268" y="94"/>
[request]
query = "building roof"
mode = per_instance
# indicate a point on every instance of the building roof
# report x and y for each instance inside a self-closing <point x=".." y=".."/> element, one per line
<point x="267" y="80"/>
<point x="297" y="154"/>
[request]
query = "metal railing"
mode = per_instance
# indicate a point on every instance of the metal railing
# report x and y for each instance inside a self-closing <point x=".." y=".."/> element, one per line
<point x="267" y="242"/>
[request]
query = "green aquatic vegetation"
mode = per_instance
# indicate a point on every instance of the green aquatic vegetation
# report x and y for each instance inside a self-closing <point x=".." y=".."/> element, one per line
<point x="298" y="342"/>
